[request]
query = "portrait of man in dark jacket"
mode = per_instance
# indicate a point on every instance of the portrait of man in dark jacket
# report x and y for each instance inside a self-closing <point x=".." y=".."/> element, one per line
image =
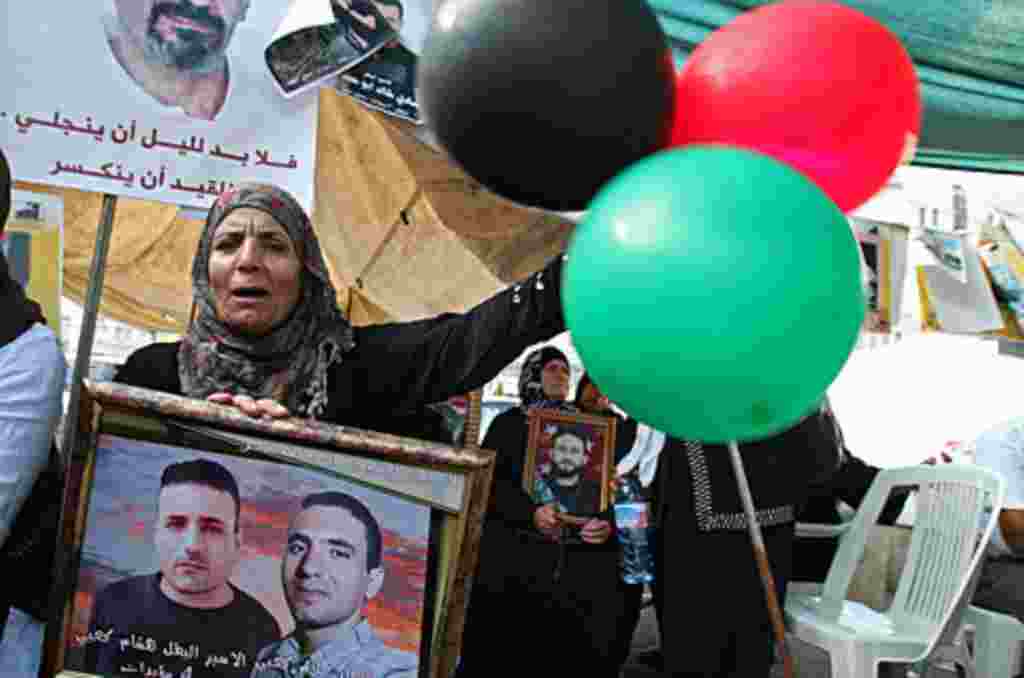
<point x="565" y="478"/>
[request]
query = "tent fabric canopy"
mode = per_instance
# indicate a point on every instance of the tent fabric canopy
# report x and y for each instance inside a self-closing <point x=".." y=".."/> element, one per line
<point x="970" y="61"/>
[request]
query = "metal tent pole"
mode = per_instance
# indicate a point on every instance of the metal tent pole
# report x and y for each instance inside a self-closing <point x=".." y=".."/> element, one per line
<point x="85" y="338"/>
<point x="761" y="555"/>
<point x="62" y="566"/>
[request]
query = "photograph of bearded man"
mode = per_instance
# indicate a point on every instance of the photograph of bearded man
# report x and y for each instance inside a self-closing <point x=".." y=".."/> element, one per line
<point x="176" y="50"/>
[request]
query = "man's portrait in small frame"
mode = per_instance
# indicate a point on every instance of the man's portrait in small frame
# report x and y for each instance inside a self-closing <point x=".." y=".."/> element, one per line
<point x="569" y="462"/>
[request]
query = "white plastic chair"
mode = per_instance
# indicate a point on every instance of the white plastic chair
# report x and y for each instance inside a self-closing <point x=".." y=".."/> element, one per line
<point x="821" y="530"/>
<point x="988" y="645"/>
<point x="940" y="573"/>
<point x="815" y="531"/>
<point x="997" y="643"/>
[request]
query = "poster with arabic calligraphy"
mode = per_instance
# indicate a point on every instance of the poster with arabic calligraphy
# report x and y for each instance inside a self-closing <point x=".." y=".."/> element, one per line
<point x="166" y="100"/>
<point x="163" y="534"/>
<point x="387" y="80"/>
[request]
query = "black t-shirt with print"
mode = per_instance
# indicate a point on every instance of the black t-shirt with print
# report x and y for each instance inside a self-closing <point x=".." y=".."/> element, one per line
<point x="135" y="627"/>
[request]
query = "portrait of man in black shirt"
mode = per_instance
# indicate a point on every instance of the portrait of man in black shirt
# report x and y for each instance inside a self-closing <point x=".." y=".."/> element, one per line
<point x="188" y="616"/>
<point x="575" y="493"/>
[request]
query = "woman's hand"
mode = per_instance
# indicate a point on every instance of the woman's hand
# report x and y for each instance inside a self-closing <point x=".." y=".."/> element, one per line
<point x="265" y="408"/>
<point x="547" y="520"/>
<point x="596" y="531"/>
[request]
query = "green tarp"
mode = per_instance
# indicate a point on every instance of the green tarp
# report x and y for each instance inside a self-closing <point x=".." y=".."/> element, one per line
<point x="970" y="61"/>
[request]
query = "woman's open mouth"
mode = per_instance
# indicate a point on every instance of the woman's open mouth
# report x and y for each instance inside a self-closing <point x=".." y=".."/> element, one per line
<point x="250" y="295"/>
<point x="250" y="292"/>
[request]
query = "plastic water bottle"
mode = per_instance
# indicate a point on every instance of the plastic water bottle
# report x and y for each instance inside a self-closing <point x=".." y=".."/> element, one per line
<point x="635" y="529"/>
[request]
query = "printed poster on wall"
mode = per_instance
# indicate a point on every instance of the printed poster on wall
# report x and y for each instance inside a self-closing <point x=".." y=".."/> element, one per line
<point x="165" y="100"/>
<point x="883" y="249"/>
<point x="33" y="245"/>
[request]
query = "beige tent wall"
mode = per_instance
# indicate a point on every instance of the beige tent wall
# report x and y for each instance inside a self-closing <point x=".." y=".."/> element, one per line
<point x="406" y="234"/>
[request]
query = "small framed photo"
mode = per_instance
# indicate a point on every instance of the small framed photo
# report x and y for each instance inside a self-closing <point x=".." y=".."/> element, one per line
<point x="569" y="461"/>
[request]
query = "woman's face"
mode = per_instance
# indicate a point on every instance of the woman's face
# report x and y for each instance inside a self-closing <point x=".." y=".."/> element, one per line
<point x="255" y="272"/>
<point x="554" y="380"/>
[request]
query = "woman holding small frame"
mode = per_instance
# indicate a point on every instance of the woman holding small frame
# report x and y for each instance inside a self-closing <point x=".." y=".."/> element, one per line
<point x="543" y="571"/>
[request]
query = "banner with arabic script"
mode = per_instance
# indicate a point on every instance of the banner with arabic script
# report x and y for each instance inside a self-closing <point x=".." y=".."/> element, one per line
<point x="162" y="100"/>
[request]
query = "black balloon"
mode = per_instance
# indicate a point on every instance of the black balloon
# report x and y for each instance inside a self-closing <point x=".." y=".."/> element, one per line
<point x="543" y="101"/>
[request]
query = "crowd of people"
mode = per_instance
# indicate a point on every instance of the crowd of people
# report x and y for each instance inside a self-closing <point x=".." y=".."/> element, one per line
<point x="268" y="338"/>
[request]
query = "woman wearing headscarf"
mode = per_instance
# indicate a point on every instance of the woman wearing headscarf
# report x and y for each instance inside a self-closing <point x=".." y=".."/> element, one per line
<point x="268" y="337"/>
<point x="560" y="595"/>
<point x="32" y="371"/>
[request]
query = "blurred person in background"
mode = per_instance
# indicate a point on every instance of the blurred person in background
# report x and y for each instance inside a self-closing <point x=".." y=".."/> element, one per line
<point x="32" y="372"/>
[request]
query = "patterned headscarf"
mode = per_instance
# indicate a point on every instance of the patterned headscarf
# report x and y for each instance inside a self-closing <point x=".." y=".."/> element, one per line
<point x="290" y="364"/>
<point x="531" y="392"/>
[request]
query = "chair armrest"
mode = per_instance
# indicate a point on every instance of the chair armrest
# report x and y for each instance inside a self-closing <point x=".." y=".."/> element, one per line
<point x="821" y="530"/>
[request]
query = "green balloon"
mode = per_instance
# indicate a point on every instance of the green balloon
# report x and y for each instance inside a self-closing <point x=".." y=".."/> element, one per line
<point x="713" y="293"/>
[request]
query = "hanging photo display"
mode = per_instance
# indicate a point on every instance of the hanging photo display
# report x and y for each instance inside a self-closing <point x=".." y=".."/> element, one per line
<point x="322" y="38"/>
<point x="387" y="80"/>
<point x="33" y="244"/>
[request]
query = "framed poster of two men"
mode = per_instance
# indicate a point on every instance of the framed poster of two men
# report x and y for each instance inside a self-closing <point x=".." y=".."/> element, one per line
<point x="205" y="543"/>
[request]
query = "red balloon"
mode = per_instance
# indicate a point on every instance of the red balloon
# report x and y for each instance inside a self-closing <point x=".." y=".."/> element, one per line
<point x="818" y="85"/>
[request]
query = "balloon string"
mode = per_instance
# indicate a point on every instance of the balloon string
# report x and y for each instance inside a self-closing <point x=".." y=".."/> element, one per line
<point x="761" y="555"/>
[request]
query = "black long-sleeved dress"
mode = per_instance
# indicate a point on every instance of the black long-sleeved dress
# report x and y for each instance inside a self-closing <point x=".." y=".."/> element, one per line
<point x="397" y="368"/>
<point x="540" y="608"/>
<point x="713" y="617"/>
